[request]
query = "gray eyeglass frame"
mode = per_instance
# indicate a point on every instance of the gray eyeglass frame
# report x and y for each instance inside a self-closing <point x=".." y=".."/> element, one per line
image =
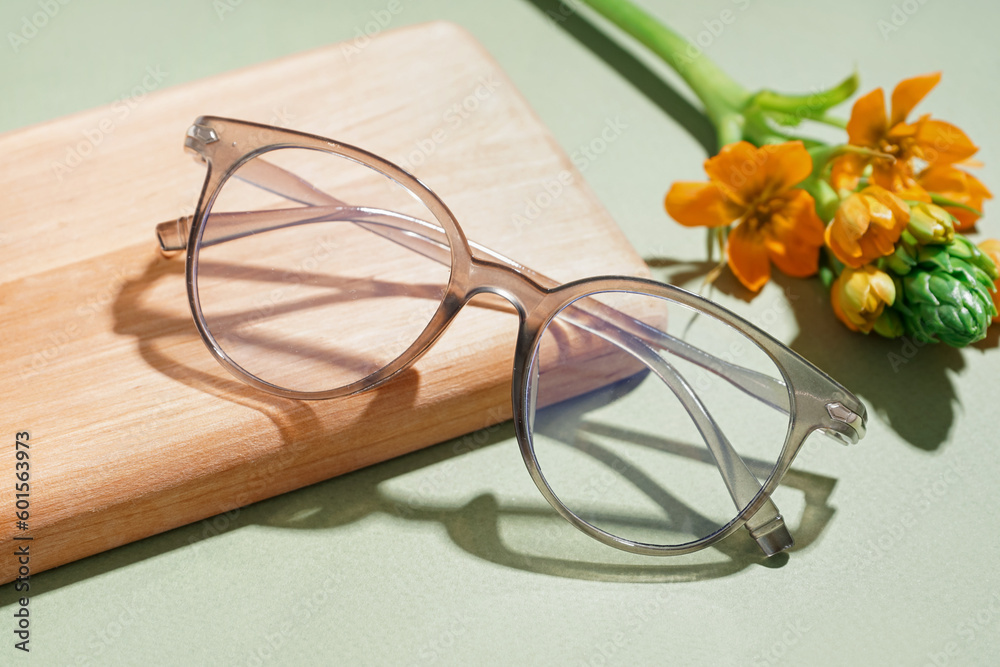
<point x="812" y="400"/>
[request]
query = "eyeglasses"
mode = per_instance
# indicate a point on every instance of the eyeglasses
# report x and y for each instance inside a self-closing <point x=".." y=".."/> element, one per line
<point x="317" y="270"/>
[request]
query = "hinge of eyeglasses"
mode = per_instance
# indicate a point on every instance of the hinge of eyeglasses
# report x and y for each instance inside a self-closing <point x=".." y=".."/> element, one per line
<point x="173" y="235"/>
<point x="843" y="414"/>
<point x="203" y="133"/>
<point x="199" y="136"/>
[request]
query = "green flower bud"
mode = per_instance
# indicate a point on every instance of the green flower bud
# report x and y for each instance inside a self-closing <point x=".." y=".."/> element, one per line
<point x="901" y="261"/>
<point x="890" y="324"/>
<point x="946" y="296"/>
<point x="963" y="251"/>
<point x="930" y="224"/>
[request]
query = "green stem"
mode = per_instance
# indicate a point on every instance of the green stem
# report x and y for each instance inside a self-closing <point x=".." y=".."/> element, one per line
<point x="722" y="96"/>
<point x="834" y="121"/>
<point x="736" y="113"/>
<point x="824" y="197"/>
<point x="941" y="200"/>
<point x="811" y="105"/>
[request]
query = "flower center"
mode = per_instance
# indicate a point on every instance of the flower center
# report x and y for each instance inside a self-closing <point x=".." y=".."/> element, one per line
<point x="759" y="216"/>
<point x="889" y="147"/>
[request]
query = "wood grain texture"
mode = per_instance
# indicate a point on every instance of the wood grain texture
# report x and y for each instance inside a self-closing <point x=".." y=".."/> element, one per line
<point x="135" y="429"/>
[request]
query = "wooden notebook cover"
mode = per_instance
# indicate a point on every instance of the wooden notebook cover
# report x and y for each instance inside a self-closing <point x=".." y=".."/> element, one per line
<point x="134" y="428"/>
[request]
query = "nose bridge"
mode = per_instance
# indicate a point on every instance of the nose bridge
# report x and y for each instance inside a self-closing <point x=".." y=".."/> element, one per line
<point x="505" y="281"/>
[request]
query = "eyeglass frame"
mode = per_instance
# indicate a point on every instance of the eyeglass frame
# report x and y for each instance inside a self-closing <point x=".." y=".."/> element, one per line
<point x="815" y="401"/>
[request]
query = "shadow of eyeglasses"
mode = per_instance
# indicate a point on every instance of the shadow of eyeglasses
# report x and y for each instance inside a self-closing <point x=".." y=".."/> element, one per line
<point x="517" y="533"/>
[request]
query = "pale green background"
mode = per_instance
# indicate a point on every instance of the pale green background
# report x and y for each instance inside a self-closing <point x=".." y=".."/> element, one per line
<point x="399" y="564"/>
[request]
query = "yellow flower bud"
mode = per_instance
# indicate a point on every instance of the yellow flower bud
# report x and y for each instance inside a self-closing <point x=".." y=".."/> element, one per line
<point x="931" y="224"/>
<point x="859" y="296"/>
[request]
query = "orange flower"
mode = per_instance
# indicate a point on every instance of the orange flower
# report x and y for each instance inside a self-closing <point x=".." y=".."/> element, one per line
<point x="866" y="226"/>
<point x="755" y="186"/>
<point x="935" y="142"/>
<point x="992" y="249"/>
<point x="959" y="186"/>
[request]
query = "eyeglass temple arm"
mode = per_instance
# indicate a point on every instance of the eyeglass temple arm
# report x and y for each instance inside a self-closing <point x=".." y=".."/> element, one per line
<point x="430" y="240"/>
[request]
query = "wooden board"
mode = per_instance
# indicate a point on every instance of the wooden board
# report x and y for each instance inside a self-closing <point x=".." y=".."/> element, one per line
<point x="134" y="428"/>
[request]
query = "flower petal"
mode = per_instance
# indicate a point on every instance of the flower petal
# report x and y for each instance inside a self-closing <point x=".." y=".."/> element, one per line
<point x="868" y="123"/>
<point x="939" y="142"/>
<point x="880" y="214"/>
<point x="859" y="232"/>
<point x="898" y="177"/>
<point x="797" y="215"/>
<point x="838" y="308"/>
<point x="965" y="219"/>
<point x="992" y="248"/>
<point x="845" y="248"/>
<point x="859" y="297"/>
<point x="847" y="170"/>
<point x="883" y="287"/>
<point x="908" y="94"/>
<point x="953" y="183"/>
<point x="897" y="208"/>
<point x="959" y="186"/>
<point x="700" y="205"/>
<point x="747" y="174"/>
<point x="852" y="217"/>
<point x="795" y="236"/>
<point x="893" y="202"/>
<point x="788" y="164"/>
<point x="748" y="258"/>
<point x="737" y="171"/>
